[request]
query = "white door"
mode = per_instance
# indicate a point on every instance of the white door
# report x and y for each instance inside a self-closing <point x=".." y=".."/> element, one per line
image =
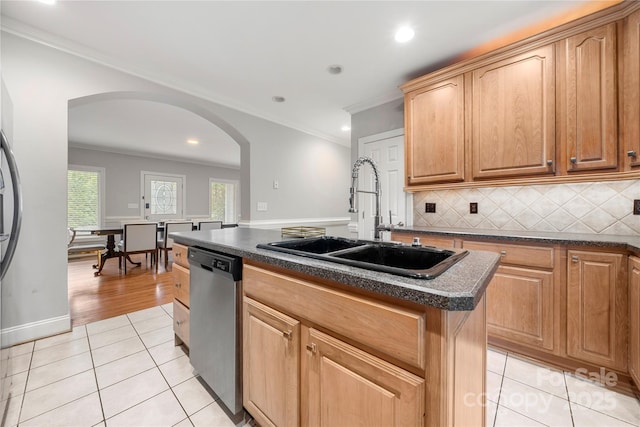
<point x="163" y="197"/>
<point x="388" y="154"/>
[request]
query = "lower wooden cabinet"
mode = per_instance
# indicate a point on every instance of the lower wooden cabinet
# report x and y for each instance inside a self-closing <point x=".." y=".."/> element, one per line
<point x="271" y="362"/>
<point x="597" y="309"/>
<point x="347" y="386"/>
<point x="181" y="284"/>
<point x="634" y="319"/>
<point x="522" y="304"/>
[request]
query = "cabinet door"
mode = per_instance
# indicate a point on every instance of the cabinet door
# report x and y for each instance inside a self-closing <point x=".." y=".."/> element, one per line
<point x="520" y="306"/>
<point x="631" y="88"/>
<point x="271" y="363"/>
<point x="590" y="100"/>
<point x="597" y="308"/>
<point x="634" y="319"/>
<point x="514" y="116"/>
<point x="349" y="387"/>
<point x="434" y="126"/>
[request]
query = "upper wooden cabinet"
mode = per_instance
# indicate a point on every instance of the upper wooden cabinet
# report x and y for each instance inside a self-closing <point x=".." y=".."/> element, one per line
<point x="513" y="103"/>
<point x="589" y="113"/>
<point x="563" y="105"/>
<point x="434" y="119"/>
<point x="631" y="89"/>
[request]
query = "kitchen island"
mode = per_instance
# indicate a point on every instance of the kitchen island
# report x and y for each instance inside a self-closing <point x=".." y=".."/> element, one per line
<point x="330" y="344"/>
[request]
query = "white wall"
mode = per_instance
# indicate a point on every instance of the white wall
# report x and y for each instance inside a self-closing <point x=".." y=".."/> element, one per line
<point x="122" y="176"/>
<point x="41" y="81"/>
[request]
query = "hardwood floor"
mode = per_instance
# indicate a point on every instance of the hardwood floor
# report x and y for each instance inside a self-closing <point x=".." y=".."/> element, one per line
<point x="112" y="293"/>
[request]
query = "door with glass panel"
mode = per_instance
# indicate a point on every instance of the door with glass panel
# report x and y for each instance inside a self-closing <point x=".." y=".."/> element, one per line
<point x="163" y="197"/>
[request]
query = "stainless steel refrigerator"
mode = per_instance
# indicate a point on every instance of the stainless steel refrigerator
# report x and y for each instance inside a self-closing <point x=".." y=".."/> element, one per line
<point x="10" y="219"/>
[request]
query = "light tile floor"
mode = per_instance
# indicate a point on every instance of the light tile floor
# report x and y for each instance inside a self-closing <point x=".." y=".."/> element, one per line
<point x="126" y="371"/>
<point x="521" y="393"/>
<point x="123" y="371"/>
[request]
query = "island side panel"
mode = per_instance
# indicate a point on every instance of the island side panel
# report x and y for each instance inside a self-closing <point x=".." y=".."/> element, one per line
<point x="456" y="367"/>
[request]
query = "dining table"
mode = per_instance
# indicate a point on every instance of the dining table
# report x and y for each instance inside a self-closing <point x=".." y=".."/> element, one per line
<point x="110" y="251"/>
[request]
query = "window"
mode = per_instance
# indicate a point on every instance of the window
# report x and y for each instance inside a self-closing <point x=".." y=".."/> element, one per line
<point x="223" y="200"/>
<point x="85" y="196"/>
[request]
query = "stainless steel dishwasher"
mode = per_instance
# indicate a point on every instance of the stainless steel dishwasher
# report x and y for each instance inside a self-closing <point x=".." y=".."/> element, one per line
<point x="215" y="328"/>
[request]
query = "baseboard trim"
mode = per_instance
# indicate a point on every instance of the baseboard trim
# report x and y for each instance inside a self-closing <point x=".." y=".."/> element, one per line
<point x="35" y="330"/>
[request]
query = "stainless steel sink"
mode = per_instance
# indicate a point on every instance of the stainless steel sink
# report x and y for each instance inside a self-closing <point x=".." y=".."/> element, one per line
<point x="411" y="261"/>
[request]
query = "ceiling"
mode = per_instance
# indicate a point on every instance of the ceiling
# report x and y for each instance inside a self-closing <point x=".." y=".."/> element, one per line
<point x="241" y="54"/>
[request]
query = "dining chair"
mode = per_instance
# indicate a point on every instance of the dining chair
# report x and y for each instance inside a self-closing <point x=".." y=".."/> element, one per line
<point x="209" y="225"/>
<point x="166" y="243"/>
<point x="137" y="239"/>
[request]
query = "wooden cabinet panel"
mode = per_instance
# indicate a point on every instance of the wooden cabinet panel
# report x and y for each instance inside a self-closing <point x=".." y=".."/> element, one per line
<point x="425" y="240"/>
<point x="631" y="88"/>
<point x="634" y="319"/>
<point x="590" y="114"/>
<point x="513" y="130"/>
<point x="597" y="308"/>
<point x="532" y="256"/>
<point x="395" y="331"/>
<point x="181" y="284"/>
<point x="520" y="306"/>
<point x="348" y="387"/>
<point x="434" y="132"/>
<point x="271" y="363"/>
<point x="180" y="255"/>
<point x="180" y="323"/>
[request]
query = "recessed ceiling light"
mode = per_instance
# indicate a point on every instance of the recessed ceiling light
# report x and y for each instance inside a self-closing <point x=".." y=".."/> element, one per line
<point x="278" y="98"/>
<point x="345" y="128"/>
<point x="404" y="34"/>
<point x="193" y="141"/>
<point x="334" y="69"/>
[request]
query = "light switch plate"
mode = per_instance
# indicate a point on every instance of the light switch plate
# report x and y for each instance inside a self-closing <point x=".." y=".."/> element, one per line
<point x="262" y="206"/>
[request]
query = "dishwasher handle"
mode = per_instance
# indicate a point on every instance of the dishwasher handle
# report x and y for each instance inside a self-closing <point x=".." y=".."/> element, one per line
<point x="215" y="262"/>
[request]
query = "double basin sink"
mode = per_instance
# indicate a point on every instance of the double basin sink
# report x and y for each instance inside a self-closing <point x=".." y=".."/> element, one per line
<point x="420" y="262"/>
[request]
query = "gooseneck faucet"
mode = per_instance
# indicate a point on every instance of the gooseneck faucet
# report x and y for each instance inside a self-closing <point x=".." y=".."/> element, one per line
<point x="354" y="189"/>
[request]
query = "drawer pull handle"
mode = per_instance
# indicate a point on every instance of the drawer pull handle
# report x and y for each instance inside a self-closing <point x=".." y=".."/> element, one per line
<point x="312" y="348"/>
<point x="503" y="253"/>
<point x="631" y="153"/>
<point x="575" y="258"/>
<point x="573" y="160"/>
<point x="287" y="335"/>
<point x="550" y="162"/>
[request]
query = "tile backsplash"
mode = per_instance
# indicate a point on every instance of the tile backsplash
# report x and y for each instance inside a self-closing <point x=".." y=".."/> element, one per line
<point x="590" y="207"/>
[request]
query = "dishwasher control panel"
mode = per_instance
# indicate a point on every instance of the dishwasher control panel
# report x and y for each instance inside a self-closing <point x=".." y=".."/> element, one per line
<point x="216" y="262"/>
<point x="221" y="265"/>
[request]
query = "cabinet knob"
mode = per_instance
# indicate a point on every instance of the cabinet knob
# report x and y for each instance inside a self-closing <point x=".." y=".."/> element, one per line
<point x="312" y="347"/>
<point x="179" y="322"/>
<point x="574" y="258"/>
<point x="287" y="335"/>
<point x="573" y="160"/>
<point x="550" y="162"/>
<point x="631" y="153"/>
<point x="178" y="285"/>
<point x="503" y="253"/>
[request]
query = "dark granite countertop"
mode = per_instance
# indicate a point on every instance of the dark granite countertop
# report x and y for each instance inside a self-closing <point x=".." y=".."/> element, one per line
<point x="459" y="288"/>
<point x="629" y="243"/>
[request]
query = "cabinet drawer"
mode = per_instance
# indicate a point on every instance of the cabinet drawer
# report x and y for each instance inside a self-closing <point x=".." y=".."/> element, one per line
<point x="181" y="284"/>
<point x="180" y="256"/>
<point x="398" y="332"/>
<point x="532" y="256"/>
<point x="425" y="239"/>
<point x="181" y="321"/>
